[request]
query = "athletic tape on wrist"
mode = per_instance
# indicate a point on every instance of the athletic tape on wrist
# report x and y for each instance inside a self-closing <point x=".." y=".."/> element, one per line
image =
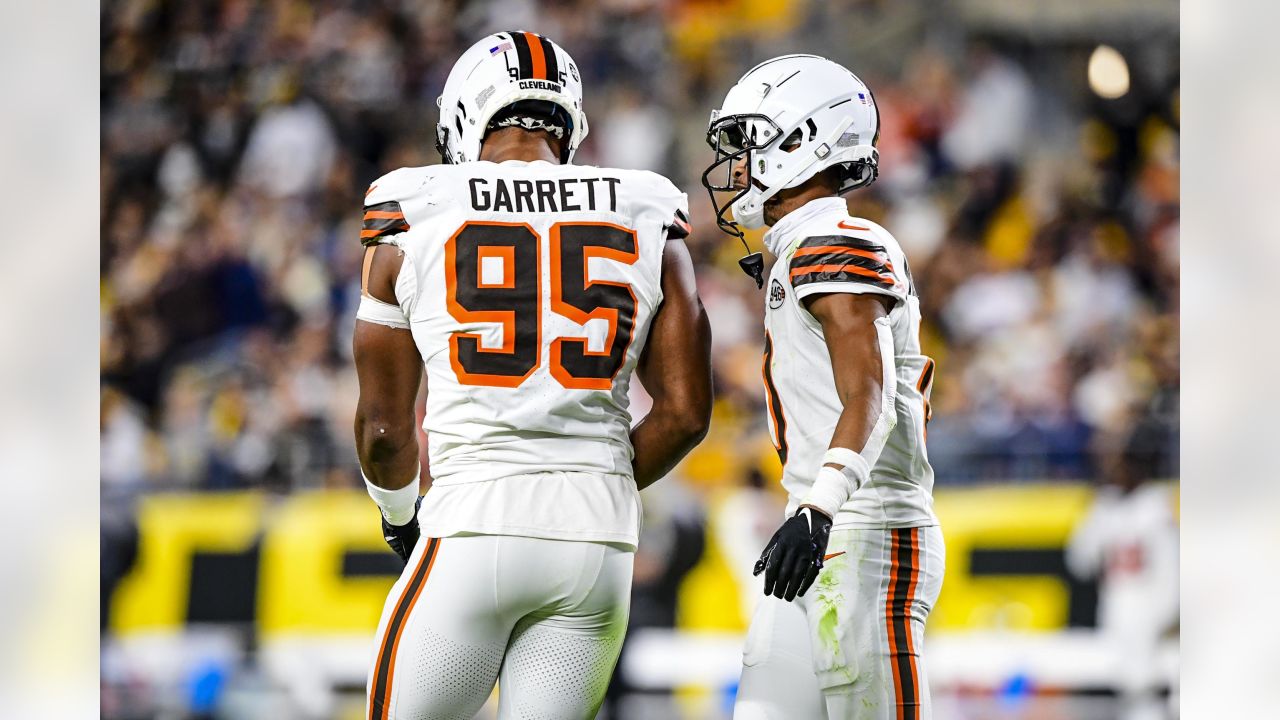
<point x="397" y="506"/>
<point x="843" y="456"/>
<point x="833" y="487"/>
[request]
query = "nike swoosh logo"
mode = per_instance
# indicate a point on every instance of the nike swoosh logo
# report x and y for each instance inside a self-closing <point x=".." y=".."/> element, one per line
<point x="850" y="227"/>
<point x="832" y="555"/>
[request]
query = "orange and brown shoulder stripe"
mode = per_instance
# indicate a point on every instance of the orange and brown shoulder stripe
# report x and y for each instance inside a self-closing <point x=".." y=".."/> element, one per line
<point x="381" y="219"/>
<point x="840" y="258"/>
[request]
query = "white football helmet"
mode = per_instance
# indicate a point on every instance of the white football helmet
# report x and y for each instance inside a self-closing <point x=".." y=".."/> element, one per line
<point x="790" y="117"/>
<point x="499" y="71"/>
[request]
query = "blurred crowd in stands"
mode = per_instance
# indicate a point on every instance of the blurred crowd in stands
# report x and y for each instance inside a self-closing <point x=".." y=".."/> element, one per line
<point x="238" y="137"/>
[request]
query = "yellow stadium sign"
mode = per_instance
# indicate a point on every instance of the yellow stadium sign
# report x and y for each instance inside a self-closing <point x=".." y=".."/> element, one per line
<point x="315" y="563"/>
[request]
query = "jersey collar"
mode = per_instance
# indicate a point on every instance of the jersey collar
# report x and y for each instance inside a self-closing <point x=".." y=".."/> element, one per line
<point x="779" y="236"/>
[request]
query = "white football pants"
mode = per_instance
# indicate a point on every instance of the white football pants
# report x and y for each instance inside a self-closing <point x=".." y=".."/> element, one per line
<point x="545" y="619"/>
<point x="851" y="648"/>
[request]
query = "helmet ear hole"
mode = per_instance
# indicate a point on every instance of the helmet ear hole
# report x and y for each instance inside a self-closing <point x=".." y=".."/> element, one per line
<point x="793" y="141"/>
<point x="856" y="174"/>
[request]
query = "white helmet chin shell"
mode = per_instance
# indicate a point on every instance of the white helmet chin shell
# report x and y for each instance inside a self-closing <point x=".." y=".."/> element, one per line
<point x="749" y="210"/>
<point x="831" y="110"/>
<point x="499" y="70"/>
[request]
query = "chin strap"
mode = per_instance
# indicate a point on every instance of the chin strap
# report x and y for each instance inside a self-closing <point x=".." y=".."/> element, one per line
<point x="753" y="262"/>
<point x="753" y="265"/>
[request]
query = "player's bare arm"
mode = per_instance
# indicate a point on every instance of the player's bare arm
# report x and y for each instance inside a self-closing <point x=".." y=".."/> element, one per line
<point x="676" y="371"/>
<point x="848" y="326"/>
<point x="389" y="371"/>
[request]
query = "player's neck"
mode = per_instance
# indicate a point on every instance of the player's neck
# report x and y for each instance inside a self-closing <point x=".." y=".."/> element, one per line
<point x="788" y="201"/>
<point x="518" y="144"/>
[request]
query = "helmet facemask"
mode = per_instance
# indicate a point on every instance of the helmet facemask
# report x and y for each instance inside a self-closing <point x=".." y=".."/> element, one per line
<point x="733" y="138"/>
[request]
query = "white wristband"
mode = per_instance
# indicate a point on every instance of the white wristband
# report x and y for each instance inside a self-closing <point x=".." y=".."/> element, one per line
<point x="397" y="506"/>
<point x="833" y="487"/>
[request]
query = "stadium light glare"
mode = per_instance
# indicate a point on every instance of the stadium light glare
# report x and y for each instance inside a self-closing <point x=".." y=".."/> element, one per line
<point x="1108" y="72"/>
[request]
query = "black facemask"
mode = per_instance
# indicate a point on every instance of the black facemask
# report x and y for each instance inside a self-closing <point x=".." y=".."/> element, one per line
<point x="733" y="138"/>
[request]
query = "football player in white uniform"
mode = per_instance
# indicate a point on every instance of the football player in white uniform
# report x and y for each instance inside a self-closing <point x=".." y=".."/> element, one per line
<point x="1129" y="539"/>
<point x="530" y="289"/>
<point x="847" y="394"/>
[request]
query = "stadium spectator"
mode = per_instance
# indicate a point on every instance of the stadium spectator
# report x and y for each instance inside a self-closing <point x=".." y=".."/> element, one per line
<point x="238" y="138"/>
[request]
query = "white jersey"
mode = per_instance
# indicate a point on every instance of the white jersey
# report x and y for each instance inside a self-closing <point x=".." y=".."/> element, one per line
<point x="529" y="289"/>
<point x="820" y="249"/>
<point x="1131" y="540"/>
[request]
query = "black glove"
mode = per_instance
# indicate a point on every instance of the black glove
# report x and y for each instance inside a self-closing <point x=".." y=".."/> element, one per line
<point x="793" y="557"/>
<point x="403" y="538"/>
